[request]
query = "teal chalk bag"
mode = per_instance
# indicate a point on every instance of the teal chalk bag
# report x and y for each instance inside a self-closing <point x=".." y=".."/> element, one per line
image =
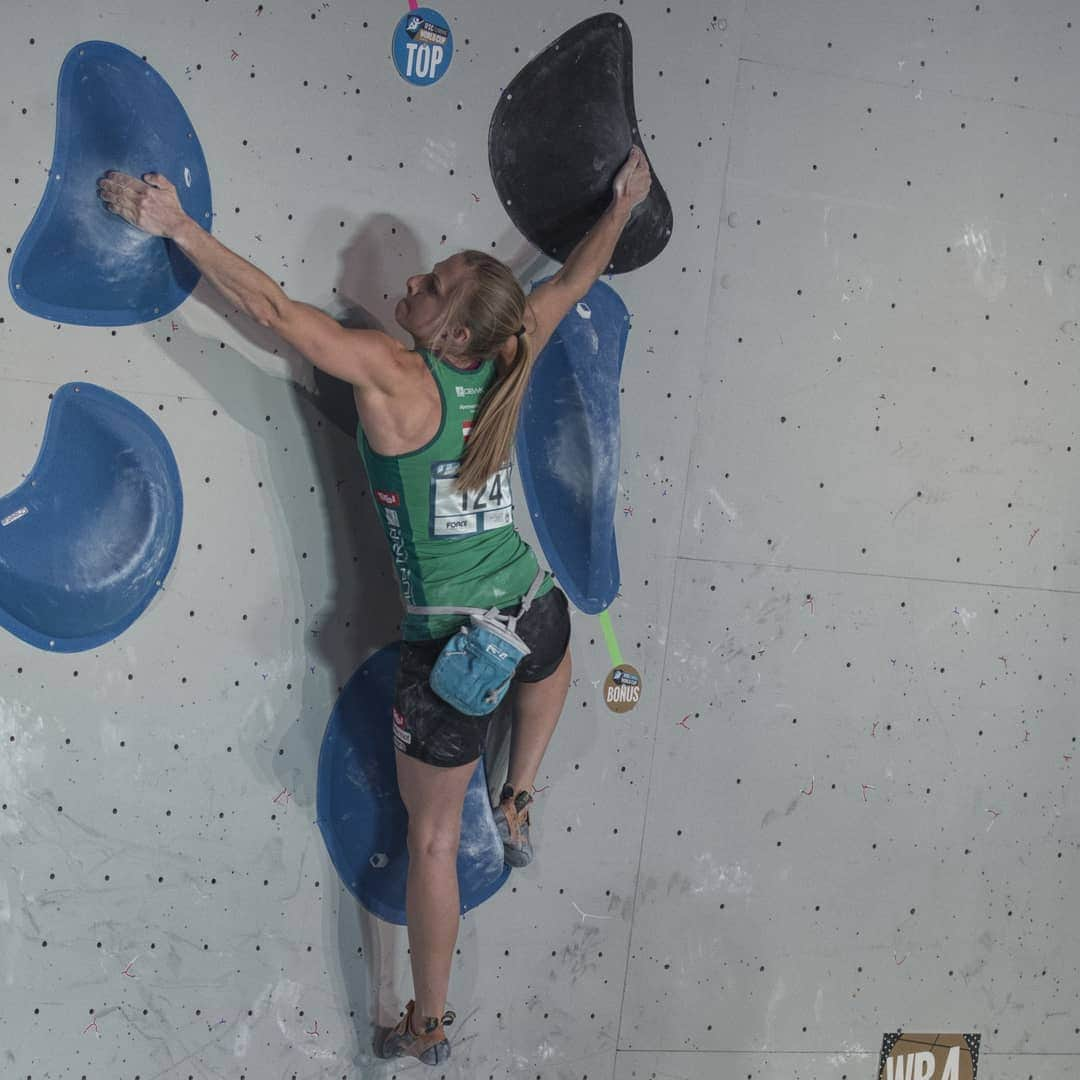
<point x="475" y="668"/>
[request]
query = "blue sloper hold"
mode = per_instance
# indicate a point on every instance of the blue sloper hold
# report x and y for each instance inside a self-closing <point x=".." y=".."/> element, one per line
<point x="77" y="262"/>
<point x="360" y="813"/>
<point x="568" y="447"/>
<point x="87" y="538"/>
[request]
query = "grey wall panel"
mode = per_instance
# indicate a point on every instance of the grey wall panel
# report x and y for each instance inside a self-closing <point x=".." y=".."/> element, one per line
<point x="890" y="358"/>
<point x="842" y="840"/>
<point x="1020" y="53"/>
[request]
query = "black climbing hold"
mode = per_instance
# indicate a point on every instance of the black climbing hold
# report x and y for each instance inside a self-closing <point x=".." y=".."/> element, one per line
<point x="560" y="133"/>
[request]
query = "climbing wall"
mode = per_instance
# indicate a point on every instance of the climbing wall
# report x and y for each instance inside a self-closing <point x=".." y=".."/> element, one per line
<point x="843" y="806"/>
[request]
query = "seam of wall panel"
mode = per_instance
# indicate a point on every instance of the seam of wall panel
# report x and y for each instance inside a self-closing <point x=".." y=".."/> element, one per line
<point x="918" y="579"/>
<point x="706" y="334"/>
<point x="927" y="91"/>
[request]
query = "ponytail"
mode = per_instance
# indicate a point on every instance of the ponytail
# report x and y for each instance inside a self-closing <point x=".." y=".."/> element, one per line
<point x="492" y="436"/>
<point x="491" y="304"/>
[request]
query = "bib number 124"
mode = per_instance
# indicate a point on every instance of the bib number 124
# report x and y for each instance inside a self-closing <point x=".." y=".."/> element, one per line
<point x="465" y="513"/>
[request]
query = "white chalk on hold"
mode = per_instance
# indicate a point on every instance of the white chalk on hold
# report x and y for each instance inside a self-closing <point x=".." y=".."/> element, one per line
<point x="584" y="311"/>
<point x="379" y="860"/>
<point x="187" y="176"/>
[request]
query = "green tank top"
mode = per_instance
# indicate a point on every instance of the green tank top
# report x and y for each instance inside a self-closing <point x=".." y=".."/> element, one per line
<point x="450" y="548"/>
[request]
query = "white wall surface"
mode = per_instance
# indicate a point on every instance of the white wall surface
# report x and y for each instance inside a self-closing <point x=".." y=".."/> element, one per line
<point x="850" y="558"/>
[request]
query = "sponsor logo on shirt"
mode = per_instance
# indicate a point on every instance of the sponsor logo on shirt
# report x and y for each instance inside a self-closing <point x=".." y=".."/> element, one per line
<point x="401" y="556"/>
<point x="468" y="391"/>
<point x="388" y="498"/>
<point x="402" y="737"/>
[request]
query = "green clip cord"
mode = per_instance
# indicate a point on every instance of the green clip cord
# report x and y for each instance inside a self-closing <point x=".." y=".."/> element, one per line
<point x="609" y="639"/>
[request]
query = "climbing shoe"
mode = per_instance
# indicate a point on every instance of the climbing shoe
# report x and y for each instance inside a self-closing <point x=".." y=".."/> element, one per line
<point x="512" y="821"/>
<point x="430" y="1046"/>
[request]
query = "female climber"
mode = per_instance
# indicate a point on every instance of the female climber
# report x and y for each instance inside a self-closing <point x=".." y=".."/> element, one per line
<point x="437" y="426"/>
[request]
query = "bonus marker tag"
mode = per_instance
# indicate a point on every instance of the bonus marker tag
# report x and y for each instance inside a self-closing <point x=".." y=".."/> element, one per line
<point x="622" y="688"/>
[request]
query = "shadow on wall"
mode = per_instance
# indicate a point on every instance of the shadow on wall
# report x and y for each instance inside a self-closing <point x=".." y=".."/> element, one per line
<point x="362" y="612"/>
<point x="357" y="610"/>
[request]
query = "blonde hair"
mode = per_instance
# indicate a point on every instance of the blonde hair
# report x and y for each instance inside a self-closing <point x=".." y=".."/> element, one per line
<point x="491" y="305"/>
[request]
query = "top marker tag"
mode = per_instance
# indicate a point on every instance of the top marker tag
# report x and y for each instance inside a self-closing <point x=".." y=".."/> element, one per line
<point x="423" y="46"/>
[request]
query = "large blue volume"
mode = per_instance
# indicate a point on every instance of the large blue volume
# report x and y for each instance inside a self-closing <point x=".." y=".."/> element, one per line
<point x="568" y="447"/>
<point x="77" y="262"/>
<point x="361" y="816"/>
<point x="87" y="538"/>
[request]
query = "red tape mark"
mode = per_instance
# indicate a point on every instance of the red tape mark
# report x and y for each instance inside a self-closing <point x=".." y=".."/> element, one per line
<point x="413" y="5"/>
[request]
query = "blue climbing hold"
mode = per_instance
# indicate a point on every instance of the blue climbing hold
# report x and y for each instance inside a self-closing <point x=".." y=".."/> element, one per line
<point x="568" y="447"/>
<point x="87" y="538"/>
<point x="360" y="813"/>
<point x="77" y="262"/>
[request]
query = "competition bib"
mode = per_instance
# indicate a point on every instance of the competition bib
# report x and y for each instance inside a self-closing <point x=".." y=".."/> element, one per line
<point x="466" y="513"/>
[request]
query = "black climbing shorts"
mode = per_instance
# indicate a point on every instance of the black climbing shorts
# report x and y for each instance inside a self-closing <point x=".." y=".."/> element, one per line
<point x="432" y="731"/>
